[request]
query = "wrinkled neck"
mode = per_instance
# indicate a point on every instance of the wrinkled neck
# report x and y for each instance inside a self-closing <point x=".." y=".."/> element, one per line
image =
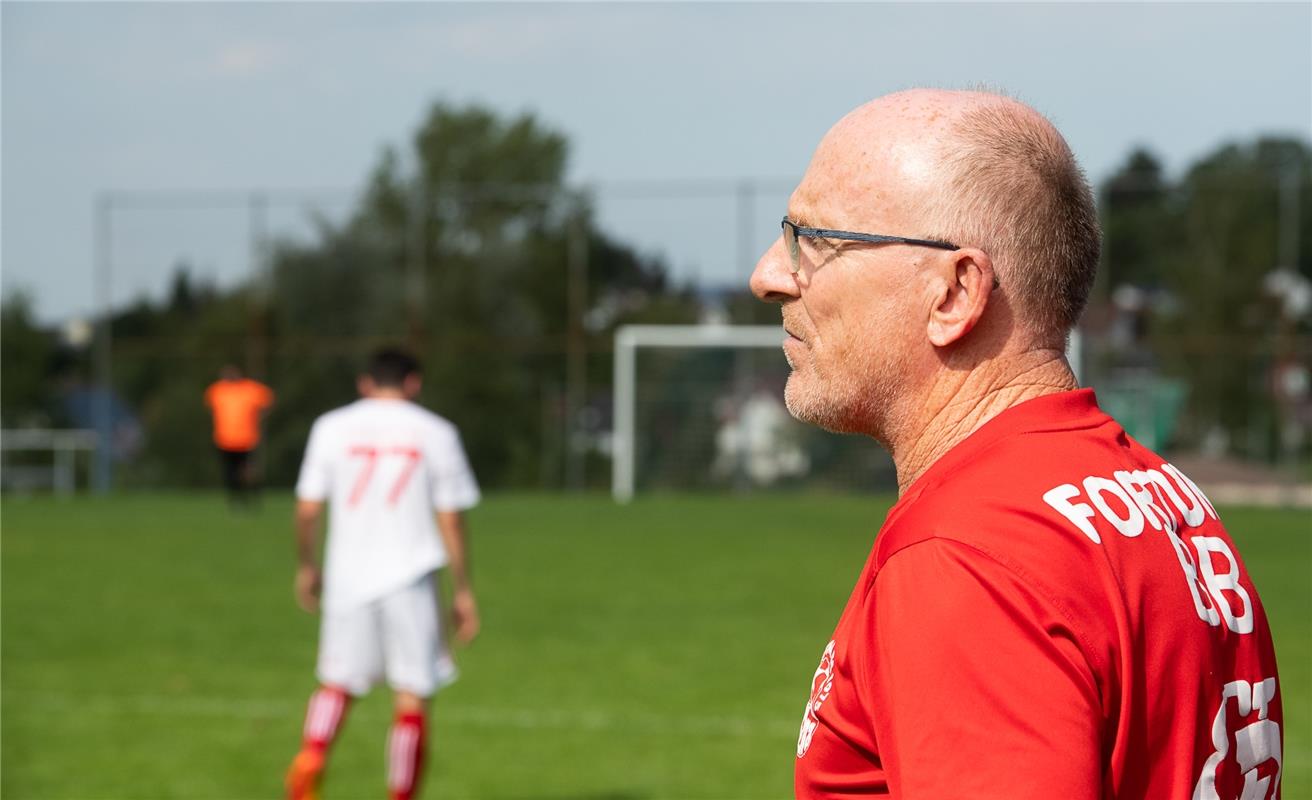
<point x="959" y="403"/>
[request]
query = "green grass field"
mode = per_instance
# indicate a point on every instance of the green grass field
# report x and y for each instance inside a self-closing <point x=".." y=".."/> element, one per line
<point x="151" y="648"/>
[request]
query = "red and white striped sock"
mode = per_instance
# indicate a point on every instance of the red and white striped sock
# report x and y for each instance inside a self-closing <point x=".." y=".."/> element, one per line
<point x="405" y="755"/>
<point x="324" y="716"/>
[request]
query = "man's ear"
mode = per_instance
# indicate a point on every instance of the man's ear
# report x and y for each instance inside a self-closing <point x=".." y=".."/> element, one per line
<point x="364" y="385"/>
<point x="413" y="385"/>
<point x="963" y="290"/>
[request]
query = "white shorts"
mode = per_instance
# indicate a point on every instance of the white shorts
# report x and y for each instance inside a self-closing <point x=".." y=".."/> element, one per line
<point x="398" y="635"/>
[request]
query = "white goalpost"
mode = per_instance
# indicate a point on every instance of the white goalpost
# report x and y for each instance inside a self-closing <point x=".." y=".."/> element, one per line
<point x="629" y="339"/>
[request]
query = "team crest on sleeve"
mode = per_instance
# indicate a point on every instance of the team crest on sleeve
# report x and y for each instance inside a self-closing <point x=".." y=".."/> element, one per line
<point x="1246" y="746"/>
<point x="821" y="684"/>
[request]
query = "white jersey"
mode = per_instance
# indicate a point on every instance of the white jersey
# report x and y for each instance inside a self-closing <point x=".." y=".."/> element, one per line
<point x="384" y="465"/>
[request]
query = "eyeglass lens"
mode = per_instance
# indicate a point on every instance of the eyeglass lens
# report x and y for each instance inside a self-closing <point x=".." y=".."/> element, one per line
<point x="794" y="249"/>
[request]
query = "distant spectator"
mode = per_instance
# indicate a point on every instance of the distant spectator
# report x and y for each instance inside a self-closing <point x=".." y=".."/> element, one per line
<point x="237" y="403"/>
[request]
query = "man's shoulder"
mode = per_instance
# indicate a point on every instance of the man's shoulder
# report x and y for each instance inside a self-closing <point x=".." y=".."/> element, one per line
<point x="1044" y="502"/>
<point x="410" y="415"/>
<point x="996" y="531"/>
<point x="994" y="501"/>
<point x="434" y="422"/>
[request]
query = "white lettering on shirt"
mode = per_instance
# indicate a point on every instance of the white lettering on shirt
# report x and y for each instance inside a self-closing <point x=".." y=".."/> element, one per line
<point x="1227" y="581"/>
<point x="1136" y="485"/>
<point x="1078" y="513"/>
<point x="1203" y="603"/>
<point x="1098" y="488"/>
<point x="1190" y="488"/>
<point x="1129" y="500"/>
<point x="1192" y="512"/>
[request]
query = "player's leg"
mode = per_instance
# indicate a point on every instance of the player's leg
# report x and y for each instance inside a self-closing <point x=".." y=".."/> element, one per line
<point x="406" y="744"/>
<point x="350" y="661"/>
<point x="230" y="464"/>
<point x="323" y="717"/>
<point x="251" y="476"/>
<point x="417" y="665"/>
<point x="245" y="481"/>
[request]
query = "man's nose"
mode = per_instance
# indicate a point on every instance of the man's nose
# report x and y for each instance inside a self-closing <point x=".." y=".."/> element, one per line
<point x="772" y="280"/>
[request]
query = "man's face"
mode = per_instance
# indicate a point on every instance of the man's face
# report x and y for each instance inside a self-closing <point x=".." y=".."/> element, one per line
<point x="851" y="310"/>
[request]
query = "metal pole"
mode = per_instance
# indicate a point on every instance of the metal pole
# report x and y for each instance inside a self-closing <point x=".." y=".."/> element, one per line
<point x="576" y="352"/>
<point x="416" y="279"/>
<point x="103" y="475"/>
<point x="62" y="478"/>
<point x="546" y="394"/>
<point x="257" y="345"/>
<point x="1290" y="183"/>
<point x="1289" y="434"/>
<point x="258" y="204"/>
<point x="627" y="340"/>
<point x="622" y="446"/>
<point x="1102" y="282"/>
<point x="741" y="392"/>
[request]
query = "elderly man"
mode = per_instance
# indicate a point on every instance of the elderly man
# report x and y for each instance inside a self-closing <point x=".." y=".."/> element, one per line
<point x="1050" y="610"/>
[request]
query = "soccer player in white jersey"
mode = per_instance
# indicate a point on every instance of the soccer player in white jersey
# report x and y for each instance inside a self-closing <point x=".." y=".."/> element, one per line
<point x="390" y="470"/>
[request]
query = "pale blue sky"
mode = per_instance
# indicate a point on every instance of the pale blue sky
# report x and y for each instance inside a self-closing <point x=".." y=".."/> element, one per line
<point x="238" y="96"/>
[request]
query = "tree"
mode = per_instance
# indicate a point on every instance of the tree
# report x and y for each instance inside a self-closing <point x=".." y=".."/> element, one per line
<point x="1203" y="247"/>
<point x="1138" y="229"/>
<point x="28" y="355"/>
<point x="462" y="247"/>
<point x="467" y="247"/>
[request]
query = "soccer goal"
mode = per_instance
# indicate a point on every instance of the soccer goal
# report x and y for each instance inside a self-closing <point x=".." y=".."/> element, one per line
<point x="701" y="407"/>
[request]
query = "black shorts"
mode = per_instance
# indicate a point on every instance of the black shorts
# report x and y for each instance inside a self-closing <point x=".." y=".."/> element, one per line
<point x="235" y="463"/>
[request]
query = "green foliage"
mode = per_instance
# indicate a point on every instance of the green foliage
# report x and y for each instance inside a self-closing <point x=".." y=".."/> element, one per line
<point x="164" y="357"/>
<point x="28" y="355"/>
<point x="1202" y="247"/>
<point x="1137" y="228"/>
<point x="466" y="257"/>
<point x="459" y="248"/>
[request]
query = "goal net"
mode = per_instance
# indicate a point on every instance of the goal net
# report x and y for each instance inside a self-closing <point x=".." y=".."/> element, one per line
<point x="700" y="407"/>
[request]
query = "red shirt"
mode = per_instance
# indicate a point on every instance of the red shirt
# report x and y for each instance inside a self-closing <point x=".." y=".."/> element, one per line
<point x="1050" y="611"/>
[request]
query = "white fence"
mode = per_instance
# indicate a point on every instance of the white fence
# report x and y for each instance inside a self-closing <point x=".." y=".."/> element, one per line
<point x="60" y="474"/>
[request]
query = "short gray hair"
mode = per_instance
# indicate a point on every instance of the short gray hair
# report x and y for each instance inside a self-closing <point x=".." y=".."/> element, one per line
<point x="1015" y="191"/>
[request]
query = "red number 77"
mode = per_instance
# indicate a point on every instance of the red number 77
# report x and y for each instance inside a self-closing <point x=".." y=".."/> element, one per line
<point x="371" y="455"/>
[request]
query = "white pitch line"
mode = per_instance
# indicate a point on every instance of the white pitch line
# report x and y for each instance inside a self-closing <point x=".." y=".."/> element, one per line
<point x="522" y="718"/>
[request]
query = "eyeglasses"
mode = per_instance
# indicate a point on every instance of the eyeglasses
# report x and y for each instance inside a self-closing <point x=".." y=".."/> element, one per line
<point x="793" y="232"/>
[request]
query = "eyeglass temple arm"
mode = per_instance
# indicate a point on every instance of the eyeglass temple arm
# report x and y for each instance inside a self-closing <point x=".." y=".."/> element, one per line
<point x="851" y="236"/>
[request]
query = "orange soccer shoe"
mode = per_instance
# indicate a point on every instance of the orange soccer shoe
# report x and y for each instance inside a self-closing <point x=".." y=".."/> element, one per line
<point x="303" y="776"/>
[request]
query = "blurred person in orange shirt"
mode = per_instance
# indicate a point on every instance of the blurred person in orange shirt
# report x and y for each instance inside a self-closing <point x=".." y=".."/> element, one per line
<point x="237" y="403"/>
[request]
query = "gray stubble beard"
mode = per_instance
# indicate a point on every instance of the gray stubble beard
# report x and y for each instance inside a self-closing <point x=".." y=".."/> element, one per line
<point x="867" y="410"/>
